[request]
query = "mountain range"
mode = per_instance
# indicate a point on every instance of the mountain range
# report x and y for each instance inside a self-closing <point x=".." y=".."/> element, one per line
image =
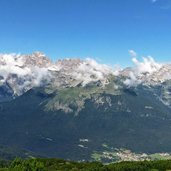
<point x="82" y="110"/>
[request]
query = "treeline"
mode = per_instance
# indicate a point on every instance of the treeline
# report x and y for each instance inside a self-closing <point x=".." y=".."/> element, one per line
<point x="62" y="165"/>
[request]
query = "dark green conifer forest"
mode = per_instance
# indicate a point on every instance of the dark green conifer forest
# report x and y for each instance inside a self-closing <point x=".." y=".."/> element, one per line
<point x="39" y="164"/>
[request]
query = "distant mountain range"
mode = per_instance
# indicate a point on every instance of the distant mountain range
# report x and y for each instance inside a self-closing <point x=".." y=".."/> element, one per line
<point x="82" y="110"/>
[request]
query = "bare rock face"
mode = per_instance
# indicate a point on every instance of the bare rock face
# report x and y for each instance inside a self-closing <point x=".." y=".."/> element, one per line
<point x="75" y="96"/>
<point x="126" y="72"/>
<point x="37" y="59"/>
<point x="68" y="64"/>
<point x="20" y="73"/>
<point x="157" y="77"/>
<point x="23" y="72"/>
<point x="160" y="76"/>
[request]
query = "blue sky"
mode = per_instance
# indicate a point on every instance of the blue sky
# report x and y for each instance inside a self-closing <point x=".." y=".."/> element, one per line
<point x="101" y="29"/>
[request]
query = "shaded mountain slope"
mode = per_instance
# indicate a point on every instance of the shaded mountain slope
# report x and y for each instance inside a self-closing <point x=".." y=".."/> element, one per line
<point x="134" y="119"/>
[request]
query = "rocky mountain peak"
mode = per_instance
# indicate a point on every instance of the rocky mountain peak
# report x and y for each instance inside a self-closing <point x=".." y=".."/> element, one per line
<point x="23" y="72"/>
<point x="37" y="59"/>
<point x="68" y="64"/>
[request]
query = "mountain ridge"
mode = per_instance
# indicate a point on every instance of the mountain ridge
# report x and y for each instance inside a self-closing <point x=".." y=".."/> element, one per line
<point x="50" y="108"/>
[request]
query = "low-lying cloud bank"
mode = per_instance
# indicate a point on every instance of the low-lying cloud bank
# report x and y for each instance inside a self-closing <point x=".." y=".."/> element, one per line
<point x="22" y="72"/>
<point x="89" y="71"/>
<point x="148" y="65"/>
<point x="143" y="70"/>
<point x="20" y="76"/>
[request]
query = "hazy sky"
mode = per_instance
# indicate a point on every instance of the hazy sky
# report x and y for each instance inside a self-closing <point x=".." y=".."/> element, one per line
<point x="101" y="29"/>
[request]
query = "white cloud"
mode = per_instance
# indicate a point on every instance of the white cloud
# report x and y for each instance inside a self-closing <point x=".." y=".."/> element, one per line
<point x="132" y="53"/>
<point x="147" y="66"/>
<point x="12" y="64"/>
<point x="23" y="77"/>
<point x="132" y="81"/>
<point x="89" y="71"/>
<point x="18" y="75"/>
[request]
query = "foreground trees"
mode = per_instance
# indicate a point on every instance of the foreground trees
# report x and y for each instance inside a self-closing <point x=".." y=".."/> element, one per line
<point x="62" y="165"/>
